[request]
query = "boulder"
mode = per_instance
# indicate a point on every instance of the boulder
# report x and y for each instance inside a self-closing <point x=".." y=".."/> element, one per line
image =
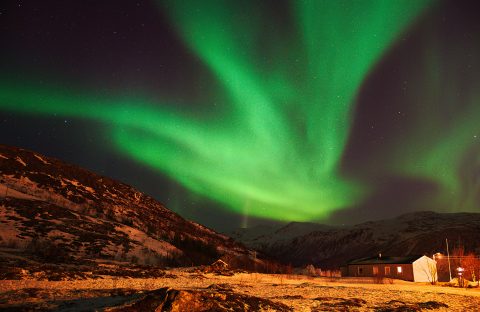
<point x="209" y="299"/>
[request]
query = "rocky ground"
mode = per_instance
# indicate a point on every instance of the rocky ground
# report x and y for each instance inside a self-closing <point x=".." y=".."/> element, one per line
<point x="194" y="290"/>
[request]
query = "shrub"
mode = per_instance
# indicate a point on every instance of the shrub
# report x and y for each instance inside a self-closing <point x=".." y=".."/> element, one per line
<point x="196" y="251"/>
<point x="47" y="250"/>
<point x="310" y="270"/>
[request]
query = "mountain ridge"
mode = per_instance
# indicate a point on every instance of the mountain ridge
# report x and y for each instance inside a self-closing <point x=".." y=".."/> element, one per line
<point x="332" y="246"/>
<point x="45" y="201"/>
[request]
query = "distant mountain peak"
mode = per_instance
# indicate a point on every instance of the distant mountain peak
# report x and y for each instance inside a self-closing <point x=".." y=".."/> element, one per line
<point x="422" y="232"/>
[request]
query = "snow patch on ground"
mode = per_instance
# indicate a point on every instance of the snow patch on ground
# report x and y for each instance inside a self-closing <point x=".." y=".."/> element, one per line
<point x="89" y="189"/>
<point x="74" y="182"/>
<point x="41" y="159"/>
<point x="24" y="188"/>
<point x="9" y="192"/>
<point x="20" y="161"/>
<point x="107" y="192"/>
<point x="77" y="185"/>
<point x="160" y="247"/>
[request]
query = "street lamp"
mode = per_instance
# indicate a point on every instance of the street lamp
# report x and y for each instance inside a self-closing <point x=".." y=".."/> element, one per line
<point x="460" y="271"/>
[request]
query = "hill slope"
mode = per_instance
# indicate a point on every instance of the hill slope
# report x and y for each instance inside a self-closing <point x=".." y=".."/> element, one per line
<point x="62" y="213"/>
<point x="330" y="247"/>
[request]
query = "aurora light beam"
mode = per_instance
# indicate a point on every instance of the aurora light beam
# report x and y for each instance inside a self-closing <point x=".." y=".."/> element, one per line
<point x="274" y="151"/>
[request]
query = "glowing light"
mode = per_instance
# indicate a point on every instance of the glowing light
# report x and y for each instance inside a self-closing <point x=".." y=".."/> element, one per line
<point x="274" y="151"/>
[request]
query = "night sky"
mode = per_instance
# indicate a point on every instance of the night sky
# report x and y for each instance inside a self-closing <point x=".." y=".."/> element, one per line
<point x="235" y="113"/>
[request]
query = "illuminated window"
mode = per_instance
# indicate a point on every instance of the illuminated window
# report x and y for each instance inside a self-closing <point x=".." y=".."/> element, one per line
<point x="399" y="270"/>
<point x="375" y="270"/>
<point x="387" y="270"/>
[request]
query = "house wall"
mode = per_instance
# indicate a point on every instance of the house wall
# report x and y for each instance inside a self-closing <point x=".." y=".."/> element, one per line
<point x="366" y="270"/>
<point x="425" y="270"/>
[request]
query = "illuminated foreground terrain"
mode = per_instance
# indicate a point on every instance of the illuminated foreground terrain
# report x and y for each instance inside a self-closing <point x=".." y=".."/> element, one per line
<point x="240" y="292"/>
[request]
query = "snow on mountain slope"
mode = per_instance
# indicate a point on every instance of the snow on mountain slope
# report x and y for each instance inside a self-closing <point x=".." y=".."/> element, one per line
<point x="259" y="235"/>
<point x="331" y="247"/>
<point x="48" y="204"/>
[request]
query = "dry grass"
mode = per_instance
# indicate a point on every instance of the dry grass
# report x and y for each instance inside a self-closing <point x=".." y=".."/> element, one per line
<point x="298" y="292"/>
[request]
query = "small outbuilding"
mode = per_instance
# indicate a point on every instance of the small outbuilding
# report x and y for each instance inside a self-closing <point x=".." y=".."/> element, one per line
<point x="408" y="268"/>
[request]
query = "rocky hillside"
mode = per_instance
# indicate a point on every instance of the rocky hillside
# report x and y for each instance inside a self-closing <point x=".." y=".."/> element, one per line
<point x="330" y="247"/>
<point x="51" y="211"/>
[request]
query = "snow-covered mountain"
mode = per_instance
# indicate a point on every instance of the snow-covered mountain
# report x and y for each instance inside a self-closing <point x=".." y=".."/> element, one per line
<point x="60" y="212"/>
<point x="330" y="247"/>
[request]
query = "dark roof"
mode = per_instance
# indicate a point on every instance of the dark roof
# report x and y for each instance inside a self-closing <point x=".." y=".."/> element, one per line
<point x="385" y="260"/>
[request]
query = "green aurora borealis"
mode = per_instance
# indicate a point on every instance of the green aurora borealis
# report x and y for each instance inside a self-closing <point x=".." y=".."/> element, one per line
<point x="281" y="110"/>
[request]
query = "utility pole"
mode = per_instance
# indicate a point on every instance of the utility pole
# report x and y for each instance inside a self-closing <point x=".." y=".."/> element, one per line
<point x="448" y="258"/>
